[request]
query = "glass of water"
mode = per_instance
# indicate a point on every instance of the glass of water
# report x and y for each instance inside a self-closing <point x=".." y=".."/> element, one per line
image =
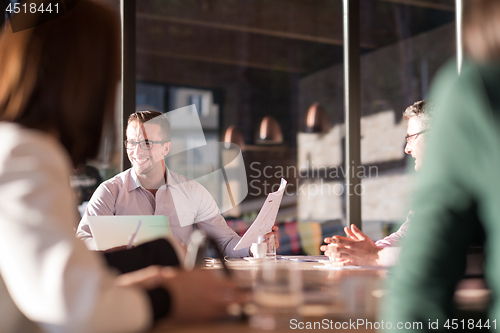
<point x="271" y="248"/>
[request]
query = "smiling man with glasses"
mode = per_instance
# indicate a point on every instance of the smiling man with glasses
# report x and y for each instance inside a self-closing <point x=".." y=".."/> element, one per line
<point x="147" y="144"/>
<point x="359" y="249"/>
<point x="150" y="188"/>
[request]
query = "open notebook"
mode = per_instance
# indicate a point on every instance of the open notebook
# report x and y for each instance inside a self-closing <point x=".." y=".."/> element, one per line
<point x="113" y="231"/>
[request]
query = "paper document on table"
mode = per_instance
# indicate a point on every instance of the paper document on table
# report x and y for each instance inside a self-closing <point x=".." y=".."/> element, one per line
<point x="346" y="268"/>
<point x="265" y="220"/>
<point x="305" y="258"/>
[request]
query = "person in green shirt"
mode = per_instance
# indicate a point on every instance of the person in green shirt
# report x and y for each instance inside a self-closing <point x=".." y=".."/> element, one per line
<point x="458" y="188"/>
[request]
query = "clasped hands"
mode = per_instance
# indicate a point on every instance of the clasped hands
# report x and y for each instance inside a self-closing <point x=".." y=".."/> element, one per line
<point x="355" y="249"/>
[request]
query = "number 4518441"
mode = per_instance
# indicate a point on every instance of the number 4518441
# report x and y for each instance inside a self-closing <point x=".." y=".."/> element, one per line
<point x="14" y="8"/>
<point x="454" y="324"/>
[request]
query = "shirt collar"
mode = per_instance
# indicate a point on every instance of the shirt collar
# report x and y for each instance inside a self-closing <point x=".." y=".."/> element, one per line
<point x="134" y="181"/>
<point x="172" y="178"/>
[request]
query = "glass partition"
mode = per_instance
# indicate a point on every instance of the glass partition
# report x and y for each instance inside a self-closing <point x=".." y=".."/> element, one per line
<point x="268" y="76"/>
<point x="403" y="44"/>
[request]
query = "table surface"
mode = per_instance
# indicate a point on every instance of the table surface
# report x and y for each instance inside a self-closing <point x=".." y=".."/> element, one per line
<point x="326" y="295"/>
<point x="226" y="327"/>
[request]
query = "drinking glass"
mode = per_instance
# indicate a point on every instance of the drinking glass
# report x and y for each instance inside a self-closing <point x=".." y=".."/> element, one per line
<point x="271" y="248"/>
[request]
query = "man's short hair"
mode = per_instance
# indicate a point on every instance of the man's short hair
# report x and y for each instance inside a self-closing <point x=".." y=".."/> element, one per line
<point x="423" y="110"/>
<point x="152" y="117"/>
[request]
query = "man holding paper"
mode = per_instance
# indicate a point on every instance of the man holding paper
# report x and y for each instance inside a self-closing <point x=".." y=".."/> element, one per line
<point x="150" y="188"/>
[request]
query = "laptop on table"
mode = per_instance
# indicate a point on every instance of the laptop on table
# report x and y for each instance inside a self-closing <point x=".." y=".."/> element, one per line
<point x="118" y="230"/>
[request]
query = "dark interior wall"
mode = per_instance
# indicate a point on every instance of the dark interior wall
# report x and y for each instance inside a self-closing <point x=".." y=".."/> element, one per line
<point x="258" y="52"/>
<point x="269" y="94"/>
<point x="391" y="78"/>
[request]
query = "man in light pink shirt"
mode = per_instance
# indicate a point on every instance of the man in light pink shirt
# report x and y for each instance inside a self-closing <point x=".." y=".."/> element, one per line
<point x="149" y="188"/>
<point x="359" y="249"/>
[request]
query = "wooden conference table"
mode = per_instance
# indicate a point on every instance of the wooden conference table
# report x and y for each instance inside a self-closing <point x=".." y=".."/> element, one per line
<point x="331" y="294"/>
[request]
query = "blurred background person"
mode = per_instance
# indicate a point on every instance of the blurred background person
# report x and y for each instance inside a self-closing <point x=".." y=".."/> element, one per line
<point x="84" y="181"/>
<point x="458" y="190"/>
<point x="57" y="92"/>
<point x="357" y="248"/>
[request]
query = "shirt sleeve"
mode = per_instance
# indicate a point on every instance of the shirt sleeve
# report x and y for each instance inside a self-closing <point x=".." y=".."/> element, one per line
<point x="460" y="162"/>
<point x="225" y="237"/>
<point x="53" y="279"/>
<point x="101" y="203"/>
<point x="395" y="238"/>
<point x="389" y="256"/>
<point x="210" y="220"/>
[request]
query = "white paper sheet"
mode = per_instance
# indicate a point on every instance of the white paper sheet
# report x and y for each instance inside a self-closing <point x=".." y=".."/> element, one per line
<point x="265" y="220"/>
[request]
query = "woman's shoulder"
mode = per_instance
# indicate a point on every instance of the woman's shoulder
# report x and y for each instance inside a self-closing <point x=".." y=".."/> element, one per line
<point x="16" y="135"/>
<point x="23" y="144"/>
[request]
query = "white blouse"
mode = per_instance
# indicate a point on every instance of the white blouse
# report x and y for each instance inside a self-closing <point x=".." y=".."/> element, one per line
<point x="48" y="273"/>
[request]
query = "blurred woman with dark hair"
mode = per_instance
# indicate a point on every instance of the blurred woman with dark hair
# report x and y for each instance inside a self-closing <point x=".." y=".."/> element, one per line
<point x="458" y="195"/>
<point x="57" y="92"/>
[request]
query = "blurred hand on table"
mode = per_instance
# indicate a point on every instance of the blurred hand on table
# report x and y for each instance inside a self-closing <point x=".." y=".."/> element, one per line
<point x="197" y="295"/>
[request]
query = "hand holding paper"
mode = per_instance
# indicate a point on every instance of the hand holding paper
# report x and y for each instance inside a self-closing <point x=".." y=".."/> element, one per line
<point x="264" y="222"/>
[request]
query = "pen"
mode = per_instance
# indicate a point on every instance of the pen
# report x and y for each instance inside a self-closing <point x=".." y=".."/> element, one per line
<point x="129" y="246"/>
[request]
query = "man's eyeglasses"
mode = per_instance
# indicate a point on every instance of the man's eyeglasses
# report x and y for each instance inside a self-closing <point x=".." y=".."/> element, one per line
<point x="413" y="137"/>
<point x="145" y="145"/>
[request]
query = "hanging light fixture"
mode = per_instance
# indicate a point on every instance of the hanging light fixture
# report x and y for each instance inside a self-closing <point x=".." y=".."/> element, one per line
<point x="232" y="135"/>
<point x="317" y="120"/>
<point x="269" y="132"/>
